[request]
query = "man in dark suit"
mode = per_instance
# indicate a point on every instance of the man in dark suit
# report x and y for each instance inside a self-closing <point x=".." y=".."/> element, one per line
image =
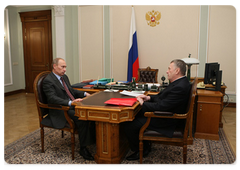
<point x="172" y="99"/>
<point x="53" y="87"/>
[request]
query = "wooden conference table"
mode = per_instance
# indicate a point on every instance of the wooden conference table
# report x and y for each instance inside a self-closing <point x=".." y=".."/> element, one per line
<point x="111" y="142"/>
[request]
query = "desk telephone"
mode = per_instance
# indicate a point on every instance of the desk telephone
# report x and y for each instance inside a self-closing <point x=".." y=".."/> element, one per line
<point x="201" y="85"/>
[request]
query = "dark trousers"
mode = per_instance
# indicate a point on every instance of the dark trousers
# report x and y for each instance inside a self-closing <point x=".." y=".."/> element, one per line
<point x="86" y="129"/>
<point x="132" y="131"/>
<point x="164" y="126"/>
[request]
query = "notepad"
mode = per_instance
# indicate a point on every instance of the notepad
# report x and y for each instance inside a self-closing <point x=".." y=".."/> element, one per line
<point x="121" y="101"/>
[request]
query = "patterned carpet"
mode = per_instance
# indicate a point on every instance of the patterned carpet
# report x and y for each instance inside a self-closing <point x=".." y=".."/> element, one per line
<point x="58" y="151"/>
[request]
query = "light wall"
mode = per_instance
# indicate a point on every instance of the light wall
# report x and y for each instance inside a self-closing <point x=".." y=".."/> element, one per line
<point x="175" y="37"/>
<point x="97" y="40"/>
<point x="222" y="43"/>
<point x="184" y="29"/>
<point x="91" y="42"/>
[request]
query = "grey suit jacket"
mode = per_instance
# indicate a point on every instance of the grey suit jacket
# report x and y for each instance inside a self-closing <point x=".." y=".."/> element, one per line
<point x="56" y="94"/>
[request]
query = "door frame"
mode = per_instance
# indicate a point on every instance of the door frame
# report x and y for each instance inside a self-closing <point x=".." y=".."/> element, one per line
<point x="35" y="16"/>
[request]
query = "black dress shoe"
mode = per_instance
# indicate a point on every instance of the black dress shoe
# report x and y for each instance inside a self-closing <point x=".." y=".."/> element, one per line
<point x="136" y="155"/>
<point x="86" y="154"/>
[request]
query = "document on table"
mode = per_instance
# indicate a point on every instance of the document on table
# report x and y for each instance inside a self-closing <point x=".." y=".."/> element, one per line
<point x="121" y="101"/>
<point x="132" y="93"/>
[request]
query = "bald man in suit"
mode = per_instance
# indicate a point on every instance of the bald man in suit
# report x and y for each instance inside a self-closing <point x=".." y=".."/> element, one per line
<point x="55" y="92"/>
<point x="172" y="99"/>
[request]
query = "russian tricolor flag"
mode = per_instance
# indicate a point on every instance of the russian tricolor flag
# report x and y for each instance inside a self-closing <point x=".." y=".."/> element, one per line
<point x="133" y="62"/>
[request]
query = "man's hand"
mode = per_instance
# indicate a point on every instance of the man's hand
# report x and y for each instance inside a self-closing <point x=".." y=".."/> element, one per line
<point x="142" y="98"/>
<point x="79" y="99"/>
<point x="76" y="100"/>
<point x="87" y="94"/>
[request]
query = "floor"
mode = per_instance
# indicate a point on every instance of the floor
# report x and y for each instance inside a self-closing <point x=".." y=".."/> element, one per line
<point x="21" y="118"/>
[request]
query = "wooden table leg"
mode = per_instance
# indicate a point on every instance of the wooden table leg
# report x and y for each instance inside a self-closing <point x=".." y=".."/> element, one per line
<point x="111" y="143"/>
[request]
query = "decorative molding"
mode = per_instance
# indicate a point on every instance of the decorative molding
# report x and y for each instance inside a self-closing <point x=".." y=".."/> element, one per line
<point x="104" y="138"/>
<point x="101" y="115"/>
<point x="60" y="30"/>
<point x="8" y="50"/>
<point x="59" y="10"/>
<point x="14" y="92"/>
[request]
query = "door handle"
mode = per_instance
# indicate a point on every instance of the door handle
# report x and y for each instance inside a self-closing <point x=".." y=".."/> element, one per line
<point x="200" y="108"/>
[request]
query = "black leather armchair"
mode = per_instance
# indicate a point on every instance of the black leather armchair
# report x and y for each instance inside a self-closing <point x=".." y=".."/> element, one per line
<point x="182" y="133"/>
<point x="43" y="107"/>
<point x="147" y="75"/>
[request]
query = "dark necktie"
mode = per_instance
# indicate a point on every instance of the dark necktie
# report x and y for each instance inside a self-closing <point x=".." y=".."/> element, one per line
<point x="66" y="89"/>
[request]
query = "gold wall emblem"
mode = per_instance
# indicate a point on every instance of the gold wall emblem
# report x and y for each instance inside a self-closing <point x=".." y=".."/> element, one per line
<point x="153" y="18"/>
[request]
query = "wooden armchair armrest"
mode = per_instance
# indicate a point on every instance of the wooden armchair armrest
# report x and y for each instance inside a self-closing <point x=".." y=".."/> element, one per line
<point x="59" y="107"/>
<point x="159" y="114"/>
<point x="162" y="114"/>
<point x="53" y="106"/>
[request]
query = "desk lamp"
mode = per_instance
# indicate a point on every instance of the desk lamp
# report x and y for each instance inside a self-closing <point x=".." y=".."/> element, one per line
<point x="190" y="61"/>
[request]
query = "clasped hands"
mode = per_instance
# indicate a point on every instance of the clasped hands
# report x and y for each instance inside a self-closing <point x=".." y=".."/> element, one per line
<point x="142" y="98"/>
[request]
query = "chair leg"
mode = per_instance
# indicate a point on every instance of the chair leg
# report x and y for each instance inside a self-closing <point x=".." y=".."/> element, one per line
<point x="141" y="151"/>
<point x="184" y="154"/>
<point x="62" y="133"/>
<point x="73" y="144"/>
<point x="42" y="139"/>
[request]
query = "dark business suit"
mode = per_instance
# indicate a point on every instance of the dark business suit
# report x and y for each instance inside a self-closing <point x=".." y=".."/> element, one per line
<point x="56" y="94"/>
<point x="174" y="99"/>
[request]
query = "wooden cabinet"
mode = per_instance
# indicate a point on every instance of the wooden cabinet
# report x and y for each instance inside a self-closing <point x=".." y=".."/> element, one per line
<point x="209" y="106"/>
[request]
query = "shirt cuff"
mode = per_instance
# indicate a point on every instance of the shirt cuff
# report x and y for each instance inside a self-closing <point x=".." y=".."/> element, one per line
<point x="70" y="103"/>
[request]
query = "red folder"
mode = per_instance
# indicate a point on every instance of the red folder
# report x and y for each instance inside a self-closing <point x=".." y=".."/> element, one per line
<point x="121" y="101"/>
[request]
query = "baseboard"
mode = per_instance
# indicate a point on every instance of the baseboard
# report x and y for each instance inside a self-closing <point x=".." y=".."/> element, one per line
<point x="230" y="104"/>
<point x="14" y="92"/>
<point x="208" y="136"/>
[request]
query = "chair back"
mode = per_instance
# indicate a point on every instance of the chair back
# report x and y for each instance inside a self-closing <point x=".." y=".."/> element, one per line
<point x="147" y="75"/>
<point x="39" y="94"/>
<point x="190" y="107"/>
<point x="192" y="92"/>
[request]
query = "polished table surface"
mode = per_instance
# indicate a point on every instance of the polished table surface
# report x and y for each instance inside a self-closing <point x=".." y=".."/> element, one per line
<point x="111" y="142"/>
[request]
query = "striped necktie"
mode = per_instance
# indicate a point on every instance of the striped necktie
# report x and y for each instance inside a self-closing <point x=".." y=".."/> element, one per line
<point x="66" y="89"/>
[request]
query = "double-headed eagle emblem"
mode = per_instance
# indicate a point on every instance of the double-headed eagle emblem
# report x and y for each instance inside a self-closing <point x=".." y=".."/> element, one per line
<point x="153" y="18"/>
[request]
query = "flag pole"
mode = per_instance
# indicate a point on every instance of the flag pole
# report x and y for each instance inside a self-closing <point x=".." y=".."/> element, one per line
<point x="133" y="60"/>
